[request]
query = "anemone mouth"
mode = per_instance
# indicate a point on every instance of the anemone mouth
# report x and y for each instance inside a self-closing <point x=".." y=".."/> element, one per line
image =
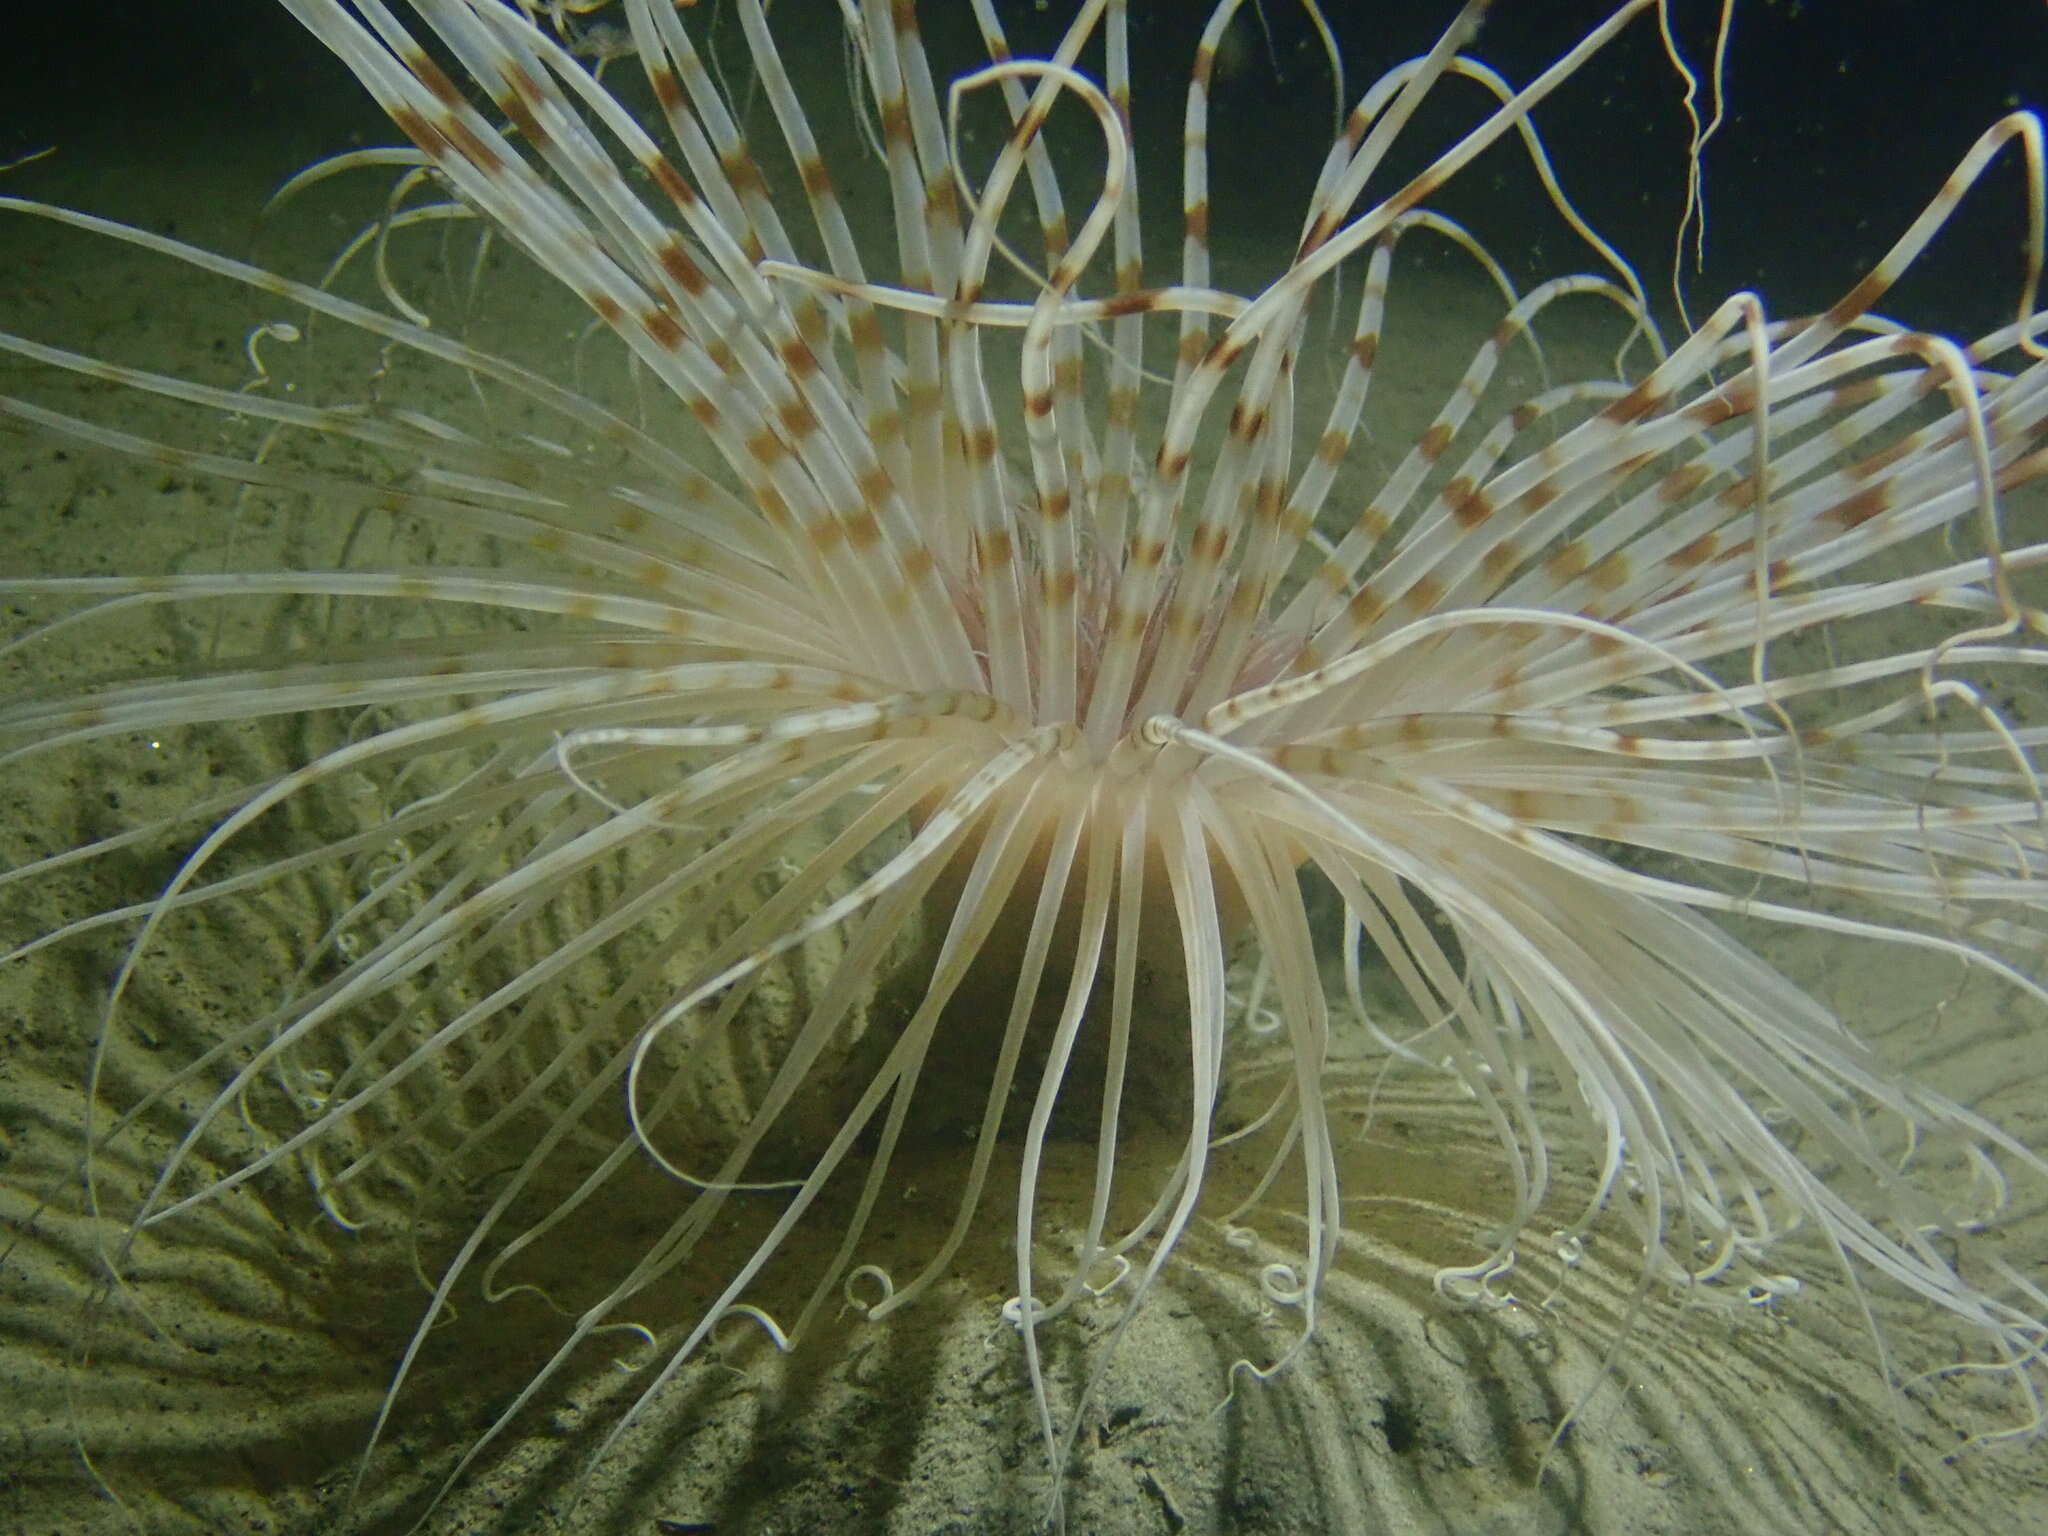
<point x="919" y="859"/>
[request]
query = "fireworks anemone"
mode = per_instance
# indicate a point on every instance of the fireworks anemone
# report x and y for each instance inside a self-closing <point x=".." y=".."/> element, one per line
<point x="881" y="697"/>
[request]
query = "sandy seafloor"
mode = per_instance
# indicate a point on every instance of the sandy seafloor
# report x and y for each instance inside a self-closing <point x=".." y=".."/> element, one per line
<point x="244" y="1412"/>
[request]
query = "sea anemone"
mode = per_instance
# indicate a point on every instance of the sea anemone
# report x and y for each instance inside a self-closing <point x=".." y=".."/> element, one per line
<point x="935" y="709"/>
